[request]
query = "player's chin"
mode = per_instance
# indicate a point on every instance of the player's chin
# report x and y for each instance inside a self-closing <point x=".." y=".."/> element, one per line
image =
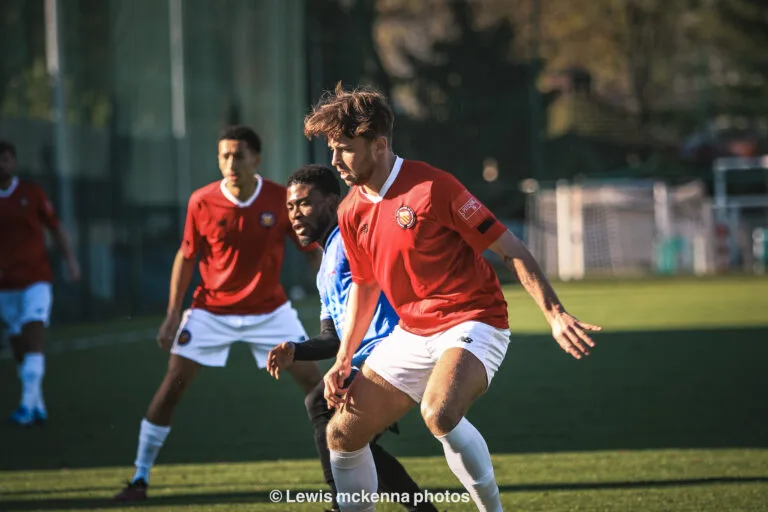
<point x="305" y="240"/>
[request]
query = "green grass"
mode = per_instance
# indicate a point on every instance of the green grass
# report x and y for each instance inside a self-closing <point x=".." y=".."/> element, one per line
<point x="668" y="414"/>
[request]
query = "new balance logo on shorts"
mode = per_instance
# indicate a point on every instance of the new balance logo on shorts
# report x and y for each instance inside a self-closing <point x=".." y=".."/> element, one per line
<point x="465" y="339"/>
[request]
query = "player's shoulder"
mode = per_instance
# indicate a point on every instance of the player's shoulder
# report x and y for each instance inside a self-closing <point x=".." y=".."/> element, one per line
<point x="29" y="187"/>
<point x="415" y="171"/>
<point x="206" y="190"/>
<point x="423" y="178"/>
<point x="205" y="193"/>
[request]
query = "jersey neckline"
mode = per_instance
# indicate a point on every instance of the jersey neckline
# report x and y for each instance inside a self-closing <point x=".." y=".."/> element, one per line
<point x="248" y="202"/>
<point x="333" y="233"/>
<point x="387" y="184"/>
<point x="10" y="190"/>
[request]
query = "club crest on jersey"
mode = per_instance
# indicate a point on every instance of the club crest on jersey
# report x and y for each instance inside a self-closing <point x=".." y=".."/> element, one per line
<point x="405" y="217"/>
<point x="184" y="337"/>
<point x="267" y="219"/>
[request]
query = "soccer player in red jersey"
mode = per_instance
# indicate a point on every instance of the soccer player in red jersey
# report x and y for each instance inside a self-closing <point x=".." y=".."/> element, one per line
<point x="25" y="279"/>
<point x="415" y="233"/>
<point x="237" y="228"/>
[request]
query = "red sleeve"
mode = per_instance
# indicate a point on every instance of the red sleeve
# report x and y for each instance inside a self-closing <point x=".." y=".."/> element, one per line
<point x="45" y="210"/>
<point x="456" y="208"/>
<point x="359" y="264"/>
<point x="190" y="243"/>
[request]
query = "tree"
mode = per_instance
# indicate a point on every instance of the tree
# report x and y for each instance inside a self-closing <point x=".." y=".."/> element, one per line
<point x="474" y="110"/>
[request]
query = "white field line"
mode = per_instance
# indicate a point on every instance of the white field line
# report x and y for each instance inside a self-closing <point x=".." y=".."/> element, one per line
<point x="53" y="347"/>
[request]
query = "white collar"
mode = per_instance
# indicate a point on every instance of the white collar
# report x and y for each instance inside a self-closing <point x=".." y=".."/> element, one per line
<point x="248" y="202"/>
<point x="10" y="190"/>
<point x="387" y="184"/>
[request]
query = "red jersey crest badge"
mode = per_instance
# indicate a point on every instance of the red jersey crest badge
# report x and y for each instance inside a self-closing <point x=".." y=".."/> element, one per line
<point x="405" y="217"/>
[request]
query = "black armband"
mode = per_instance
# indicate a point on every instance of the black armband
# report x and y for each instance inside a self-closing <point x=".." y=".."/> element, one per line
<point x="323" y="346"/>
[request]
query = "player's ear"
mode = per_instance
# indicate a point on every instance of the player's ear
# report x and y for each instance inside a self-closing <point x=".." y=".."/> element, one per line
<point x="381" y="144"/>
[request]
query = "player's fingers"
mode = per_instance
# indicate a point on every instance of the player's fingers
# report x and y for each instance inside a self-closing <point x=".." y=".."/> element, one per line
<point x="589" y="327"/>
<point x="565" y="344"/>
<point x="584" y="337"/>
<point x="577" y="342"/>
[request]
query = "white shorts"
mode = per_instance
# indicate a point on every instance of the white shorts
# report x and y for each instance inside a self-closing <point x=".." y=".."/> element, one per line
<point x="20" y="307"/>
<point x="406" y="360"/>
<point x="206" y="338"/>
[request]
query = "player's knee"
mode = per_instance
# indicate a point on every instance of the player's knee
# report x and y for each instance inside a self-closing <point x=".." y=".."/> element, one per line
<point x="341" y="438"/>
<point x="439" y="419"/>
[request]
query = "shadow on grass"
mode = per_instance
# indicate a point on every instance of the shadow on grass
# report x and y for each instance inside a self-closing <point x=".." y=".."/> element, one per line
<point x="263" y="496"/>
<point x="639" y="390"/>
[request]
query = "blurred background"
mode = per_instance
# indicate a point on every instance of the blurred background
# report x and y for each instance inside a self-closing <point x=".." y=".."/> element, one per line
<point x="618" y="138"/>
<point x="623" y="140"/>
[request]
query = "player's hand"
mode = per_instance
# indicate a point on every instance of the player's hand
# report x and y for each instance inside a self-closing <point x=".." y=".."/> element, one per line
<point x="280" y="358"/>
<point x="167" y="331"/>
<point x="571" y="334"/>
<point x="335" y="393"/>
<point x="73" y="270"/>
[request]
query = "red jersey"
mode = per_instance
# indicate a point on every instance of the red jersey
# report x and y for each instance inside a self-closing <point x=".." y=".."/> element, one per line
<point x="24" y="211"/>
<point x="422" y="239"/>
<point x="240" y="246"/>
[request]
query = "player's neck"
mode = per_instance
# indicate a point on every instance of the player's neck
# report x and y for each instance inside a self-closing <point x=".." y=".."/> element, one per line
<point x="244" y="191"/>
<point x="380" y="175"/>
<point x="324" y="239"/>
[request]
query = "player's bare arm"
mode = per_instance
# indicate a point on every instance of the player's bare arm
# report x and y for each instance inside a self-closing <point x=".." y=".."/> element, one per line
<point x="361" y="307"/>
<point x="181" y="277"/>
<point x="570" y="333"/>
<point x="65" y="246"/>
<point x="323" y="346"/>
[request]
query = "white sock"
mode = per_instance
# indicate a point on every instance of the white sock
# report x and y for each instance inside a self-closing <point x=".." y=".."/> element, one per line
<point x="354" y="472"/>
<point x="31" y="372"/>
<point x="151" y="439"/>
<point x="468" y="457"/>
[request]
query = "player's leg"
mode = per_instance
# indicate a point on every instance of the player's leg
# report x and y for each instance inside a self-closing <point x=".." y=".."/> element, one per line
<point x="31" y="311"/>
<point x="393" y="478"/>
<point x="202" y="340"/>
<point x="156" y="424"/>
<point x="319" y="415"/>
<point x="372" y="405"/>
<point x="306" y="374"/>
<point x="470" y="354"/>
<point x="391" y="383"/>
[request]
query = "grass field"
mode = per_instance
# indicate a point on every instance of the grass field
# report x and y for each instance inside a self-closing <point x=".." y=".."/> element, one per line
<point x="670" y="413"/>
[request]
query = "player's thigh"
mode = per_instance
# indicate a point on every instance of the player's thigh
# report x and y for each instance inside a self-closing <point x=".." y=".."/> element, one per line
<point x="265" y="332"/>
<point x="306" y="374"/>
<point x="36" y="302"/>
<point x="469" y="356"/>
<point x="403" y="360"/>
<point x="371" y="406"/>
<point x="180" y="373"/>
<point x="204" y="338"/>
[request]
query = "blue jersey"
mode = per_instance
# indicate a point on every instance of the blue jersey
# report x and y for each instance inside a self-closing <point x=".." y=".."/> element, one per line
<point x="333" y="282"/>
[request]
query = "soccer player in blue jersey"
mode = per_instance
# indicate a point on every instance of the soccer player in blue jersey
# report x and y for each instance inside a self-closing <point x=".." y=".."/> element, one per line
<point x="313" y="196"/>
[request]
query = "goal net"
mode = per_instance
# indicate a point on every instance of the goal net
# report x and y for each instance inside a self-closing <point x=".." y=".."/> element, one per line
<point x="621" y="228"/>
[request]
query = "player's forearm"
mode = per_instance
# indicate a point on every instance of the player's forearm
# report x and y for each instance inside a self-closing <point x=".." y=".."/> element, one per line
<point x="323" y="346"/>
<point x="64" y="245"/>
<point x="361" y="307"/>
<point x="519" y="260"/>
<point x="181" y="276"/>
